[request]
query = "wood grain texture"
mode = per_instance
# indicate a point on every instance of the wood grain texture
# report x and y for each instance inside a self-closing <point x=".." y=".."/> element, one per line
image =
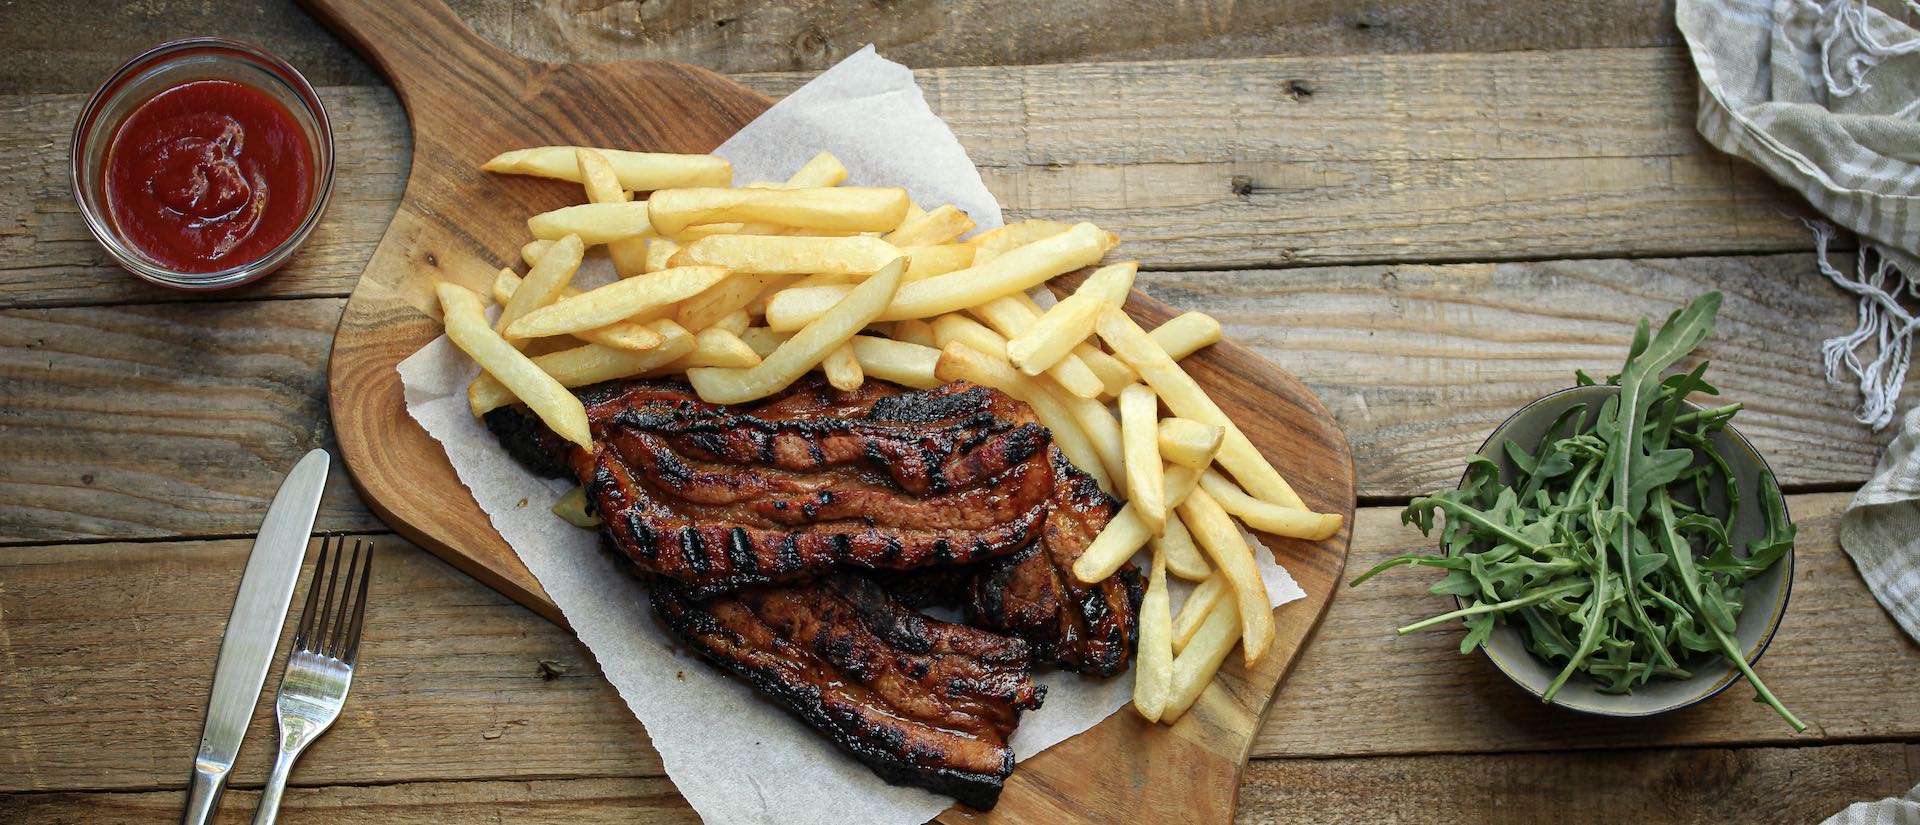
<point x="1214" y="164"/>
<point x="1690" y="787"/>
<point x="452" y="686"/>
<point x="1417" y="363"/>
<point x="466" y="102"/>
<point x="746" y="36"/>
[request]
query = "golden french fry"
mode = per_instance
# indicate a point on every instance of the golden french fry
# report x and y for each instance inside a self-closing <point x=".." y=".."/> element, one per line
<point x="843" y="369"/>
<point x="915" y="331"/>
<point x="623" y="335"/>
<point x="639" y="171"/>
<point x="1153" y="675"/>
<point x="1189" y="442"/>
<point x="991" y="243"/>
<point x="953" y="327"/>
<point x="1113" y="374"/>
<point x="819" y="171"/>
<point x="913" y="213"/>
<point x="1111" y="283"/>
<point x="1213" y="530"/>
<point x="1185" y="398"/>
<point x="1128" y="533"/>
<point x="1186" y="333"/>
<point x="1054" y="335"/>
<point x="1201" y="658"/>
<point x="1198" y="605"/>
<point x="1019" y="269"/>
<point x="466" y="320"/>
<point x="781" y="255"/>
<point x="573" y="508"/>
<point x="1268" y="517"/>
<point x="1183" y="558"/>
<point x="1011" y="315"/>
<point x="807" y="347"/>
<point x="942" y="225"/>
<point x="1100" y="427"/>
<point x="1139" y="415"/>
<point x="544" y="283"/>
<point x="659" y="252"/>
<point x="589" y="364"/>
<point x="597" y="175"/>
<point x="927" y="261"/>
<point x="846" y="208"/>
<point x="903" y="363"/>
<point x="618" y="301"/>
<point x="764" y="341"/>
<point x="715" y="347"/>
<point x="721" y="300"/>
<point x="531" y="251"/>
<point x="1180" y="483"/>
<point x="595" y="223"/>
<point x="734" y="322"/>
<point x="959" y="362"/>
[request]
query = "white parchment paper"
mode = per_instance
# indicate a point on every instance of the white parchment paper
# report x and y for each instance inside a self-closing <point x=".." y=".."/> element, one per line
<point x="736" y="757"/>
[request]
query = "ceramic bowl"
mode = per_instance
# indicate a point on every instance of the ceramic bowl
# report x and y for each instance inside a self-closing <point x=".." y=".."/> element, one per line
<point x="1766" y="594"/>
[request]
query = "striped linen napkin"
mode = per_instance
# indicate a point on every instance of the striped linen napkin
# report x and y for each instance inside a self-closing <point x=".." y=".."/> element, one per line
<point x="1889" y="811"/>
<point x="1881" y="529"/>
<point x="1823" y="95"/>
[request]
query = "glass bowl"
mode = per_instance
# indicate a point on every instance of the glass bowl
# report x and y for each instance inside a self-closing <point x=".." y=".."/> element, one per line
<point x="163" y="67"/>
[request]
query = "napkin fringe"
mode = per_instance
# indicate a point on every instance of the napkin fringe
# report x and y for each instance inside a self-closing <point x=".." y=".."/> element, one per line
<point x="1885" y="329"/>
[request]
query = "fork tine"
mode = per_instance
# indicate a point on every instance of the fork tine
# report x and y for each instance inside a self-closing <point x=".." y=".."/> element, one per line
<point x="304" y="630"/>
<point x="335" y="643"/>
<point x="319" y="637"/>
<point x="359" y="606"/>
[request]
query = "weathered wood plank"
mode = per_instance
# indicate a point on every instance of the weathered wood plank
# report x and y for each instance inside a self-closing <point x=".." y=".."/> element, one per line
<point x="1696" y="787"/>
<point x="1417" y="363"/>
<point x="1198" y="164"/>
<point x="745" y="36"/>
<point x="163" y="420"/>
<point x="451" y="684"/>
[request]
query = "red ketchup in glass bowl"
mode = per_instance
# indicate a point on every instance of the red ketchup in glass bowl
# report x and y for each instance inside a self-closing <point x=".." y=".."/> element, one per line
<point x="208" y="174"/>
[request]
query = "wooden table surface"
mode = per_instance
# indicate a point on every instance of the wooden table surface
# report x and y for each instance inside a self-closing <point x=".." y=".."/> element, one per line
<point x="1431" y="212"/>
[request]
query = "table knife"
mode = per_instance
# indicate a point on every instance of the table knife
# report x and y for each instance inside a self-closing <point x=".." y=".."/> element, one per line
<point x="253" y="631"/>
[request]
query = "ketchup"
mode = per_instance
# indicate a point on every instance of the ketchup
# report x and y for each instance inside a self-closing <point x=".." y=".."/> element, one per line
<point x="208" y="175"/>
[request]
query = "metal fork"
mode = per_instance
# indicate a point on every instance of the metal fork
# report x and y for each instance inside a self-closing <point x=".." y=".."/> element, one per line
<point x="320" y="669"/>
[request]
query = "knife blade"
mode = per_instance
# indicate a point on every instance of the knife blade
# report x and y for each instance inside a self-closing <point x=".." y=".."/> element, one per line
<point x="253" y="630"/>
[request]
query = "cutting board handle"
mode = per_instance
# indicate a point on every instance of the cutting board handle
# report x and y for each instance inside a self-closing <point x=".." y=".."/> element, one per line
<point x="423" y="48"/>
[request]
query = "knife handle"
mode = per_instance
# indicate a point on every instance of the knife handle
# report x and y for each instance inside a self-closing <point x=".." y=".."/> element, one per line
<point x="203" y="794"/>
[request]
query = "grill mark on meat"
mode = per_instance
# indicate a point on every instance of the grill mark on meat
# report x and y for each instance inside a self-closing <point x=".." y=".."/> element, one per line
<point x="920" y="702"/>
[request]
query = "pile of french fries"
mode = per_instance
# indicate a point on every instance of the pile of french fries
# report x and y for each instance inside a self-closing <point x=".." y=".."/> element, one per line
<point x="744" y="290"/>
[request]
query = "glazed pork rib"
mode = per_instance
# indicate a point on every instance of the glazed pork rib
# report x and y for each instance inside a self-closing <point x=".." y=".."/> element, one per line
<point x="920" y="702"/>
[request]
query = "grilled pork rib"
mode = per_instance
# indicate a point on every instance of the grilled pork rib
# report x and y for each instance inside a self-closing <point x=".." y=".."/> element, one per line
<point x="920" y="702"/>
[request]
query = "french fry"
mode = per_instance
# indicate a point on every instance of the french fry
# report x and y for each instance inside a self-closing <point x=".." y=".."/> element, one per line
<point x="1194" y="611"/>
<point x="1185" y="398"/>
<point x="1184" y="334"/>
<point x="991" y="243"/>
<point x="1201" y="658"/>
<point x="940" y="226"/>
<point x="1017" y="270"/>
<point x="1113" y="374"/>
<point x="589" y="364"/>
<point x="953" y="327"/>
<point x="544" y="283"/>
<point x="595" y="223"/>
<point x="1054" y="335"/>
<point x="659" y="252"/>
<point x="820" y="170"/>
<point x="903" y="363"/>
<point x="1189" y="442"/>
<point x="573" y="508"/>
<point x="959" y="362"/>
<point x="638" y="171"/>
<point x="466" y="320"/>
<point x="618" y="301"/>
<point x="913" y="213"/>
<point x="1139" y="414"/>
<point x="1011" y="315"/>
<point x="1227" y="547"/>
<point x="927" y="261"/>
<point x="531" y="251"/>
<point x="843" y="369"/>
<point x="721" y="300"/>
<point x="1126" y="532"/>
<point x="1183" y="558"/>
<point x="846" y="208"/>
<point x="623" y="335"/>
<point x="1268" y="517"/>
<point x="715" y="347"/>
<point x="915" y="331"/>
<point x="1111" y="283"/>
<point x="807" y="347"/>
<point x="603" y="186"/>
<point x="764" y="341"/>
<point x="734" y="322"/>
<point x="780" y="255"/>
<point x="1101" y="429"/>
<point x="1153" y="675"/>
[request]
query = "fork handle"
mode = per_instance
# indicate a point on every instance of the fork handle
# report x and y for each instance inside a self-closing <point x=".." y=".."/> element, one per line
<point x="269" y="809"/>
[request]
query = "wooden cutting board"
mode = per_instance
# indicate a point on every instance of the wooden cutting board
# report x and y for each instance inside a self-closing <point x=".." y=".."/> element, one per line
<point x="468" y="101"/>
